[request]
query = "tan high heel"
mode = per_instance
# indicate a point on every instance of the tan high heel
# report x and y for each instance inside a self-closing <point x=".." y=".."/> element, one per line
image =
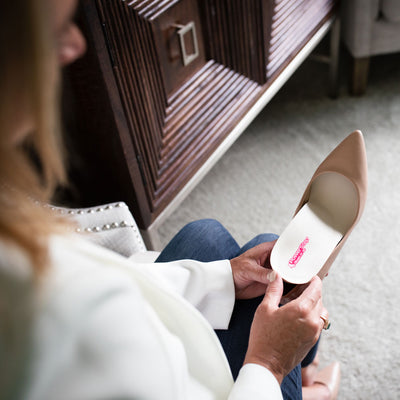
<point x="331" y="206"/>
<point x="330" y="377"/>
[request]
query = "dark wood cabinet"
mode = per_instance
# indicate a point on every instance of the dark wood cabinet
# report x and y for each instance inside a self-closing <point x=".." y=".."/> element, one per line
<point x="168" y="85"/>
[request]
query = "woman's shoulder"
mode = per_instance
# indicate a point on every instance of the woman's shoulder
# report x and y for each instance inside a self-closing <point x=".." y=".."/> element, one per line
<point x="79" y="275"/>
<point x="14" y="261"/>
<point x="85" y="269"/>
<point x="16" y="299"/>
<point x="76" y="268"/>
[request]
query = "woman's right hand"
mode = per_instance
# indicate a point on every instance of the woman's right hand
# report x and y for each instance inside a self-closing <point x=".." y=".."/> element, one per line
<point x="281" y="337"/>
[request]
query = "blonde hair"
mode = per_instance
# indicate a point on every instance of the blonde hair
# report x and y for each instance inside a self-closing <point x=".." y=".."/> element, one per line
<point x="29" y="91"/>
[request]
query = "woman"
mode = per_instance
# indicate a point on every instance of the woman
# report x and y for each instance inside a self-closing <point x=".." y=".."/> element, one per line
<point x="81" y="322"/>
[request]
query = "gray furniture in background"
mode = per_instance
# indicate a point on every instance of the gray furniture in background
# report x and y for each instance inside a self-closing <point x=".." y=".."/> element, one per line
<point x="369" y="28"/>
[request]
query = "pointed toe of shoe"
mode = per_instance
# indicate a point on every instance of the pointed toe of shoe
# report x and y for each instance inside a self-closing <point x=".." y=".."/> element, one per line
<point x="349" y="159"/>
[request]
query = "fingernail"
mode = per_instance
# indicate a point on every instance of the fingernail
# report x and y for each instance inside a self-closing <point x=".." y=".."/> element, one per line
<point x="272" y="276"/>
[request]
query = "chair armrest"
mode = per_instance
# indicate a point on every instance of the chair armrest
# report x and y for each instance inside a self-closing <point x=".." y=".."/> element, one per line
<point x="358" y="17"/>
<point x="109" y="225"/>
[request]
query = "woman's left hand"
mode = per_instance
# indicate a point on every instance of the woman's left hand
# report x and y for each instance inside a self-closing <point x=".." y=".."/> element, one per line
<point x="251" y="271"/>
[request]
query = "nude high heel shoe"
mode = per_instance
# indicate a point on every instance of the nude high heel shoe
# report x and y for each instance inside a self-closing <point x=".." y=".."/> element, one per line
<point x="331" y="206"/>
<point x="330" y="377"/>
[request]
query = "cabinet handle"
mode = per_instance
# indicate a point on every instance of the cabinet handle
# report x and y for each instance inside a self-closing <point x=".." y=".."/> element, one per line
<point x="182" y="31"/>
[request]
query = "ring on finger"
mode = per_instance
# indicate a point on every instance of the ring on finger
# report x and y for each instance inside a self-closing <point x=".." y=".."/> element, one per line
<point x="327" y="323"/>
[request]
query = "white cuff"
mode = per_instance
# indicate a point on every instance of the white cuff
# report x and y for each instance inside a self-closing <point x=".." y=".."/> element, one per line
<point x="217" y="305"/>
<point x="255" y="382"/>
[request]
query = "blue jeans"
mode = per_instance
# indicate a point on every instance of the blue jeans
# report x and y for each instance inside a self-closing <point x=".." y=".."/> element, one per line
<point x="207" y="240"/>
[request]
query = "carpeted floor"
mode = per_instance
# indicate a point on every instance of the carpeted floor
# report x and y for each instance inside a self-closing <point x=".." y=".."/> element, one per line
<point x="256" y="186"/>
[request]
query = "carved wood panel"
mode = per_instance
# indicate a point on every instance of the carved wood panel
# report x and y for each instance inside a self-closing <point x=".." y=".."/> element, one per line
<point x="292" y="23"/>
<point x="177" y="114"/>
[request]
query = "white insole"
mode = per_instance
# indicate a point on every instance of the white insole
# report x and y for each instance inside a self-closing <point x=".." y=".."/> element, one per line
<point x="317" y="228"/>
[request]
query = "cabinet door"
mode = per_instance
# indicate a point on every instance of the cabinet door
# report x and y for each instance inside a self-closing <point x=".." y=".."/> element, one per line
<point x="291" y="24"/>
<point x="235" y="34"/>
<point x="258" y="38"/>
<point x="177" y="104"/>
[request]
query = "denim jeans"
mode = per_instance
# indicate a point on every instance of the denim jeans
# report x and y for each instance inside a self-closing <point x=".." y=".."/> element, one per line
<point x="207" y="240"/>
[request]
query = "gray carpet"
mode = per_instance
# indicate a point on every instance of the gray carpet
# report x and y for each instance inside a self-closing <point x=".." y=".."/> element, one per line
<point x="256" y="186"/>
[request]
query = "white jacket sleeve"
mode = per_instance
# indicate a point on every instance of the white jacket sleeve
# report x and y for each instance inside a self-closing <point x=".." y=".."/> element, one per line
<point x="207" y="286"/>
<point x="256" y="383"/>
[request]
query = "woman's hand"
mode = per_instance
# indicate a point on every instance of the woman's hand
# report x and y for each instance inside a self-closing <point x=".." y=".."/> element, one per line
<point x="280" y="337"/>
<point x="250" y="274"/>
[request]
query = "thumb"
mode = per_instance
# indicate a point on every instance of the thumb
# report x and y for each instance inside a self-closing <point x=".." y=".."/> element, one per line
<point x="262" y="274"/>
<point x="274" y="291"/>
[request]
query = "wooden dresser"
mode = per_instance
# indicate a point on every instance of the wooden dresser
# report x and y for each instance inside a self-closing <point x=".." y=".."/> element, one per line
<point x="168" y="85"/>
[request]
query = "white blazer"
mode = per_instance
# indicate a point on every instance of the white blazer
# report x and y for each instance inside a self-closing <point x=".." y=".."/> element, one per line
<point x="108" y="327"/>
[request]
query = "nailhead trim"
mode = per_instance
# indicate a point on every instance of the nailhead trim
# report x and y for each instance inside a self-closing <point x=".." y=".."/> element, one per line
<point x="106" y="227"/>
<point x="82" y="211"/>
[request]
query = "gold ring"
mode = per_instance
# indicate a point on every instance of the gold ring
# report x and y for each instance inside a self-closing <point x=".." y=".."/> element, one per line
<point x="327" y="323"/>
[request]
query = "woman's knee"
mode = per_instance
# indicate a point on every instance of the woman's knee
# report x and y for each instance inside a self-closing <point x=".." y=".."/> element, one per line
<point x="261" y="238"/>
<point x="202" y="240"/>
<point x="204" y="222"/>
<point x="201" y="227"/>
<point x="266" y="237"/>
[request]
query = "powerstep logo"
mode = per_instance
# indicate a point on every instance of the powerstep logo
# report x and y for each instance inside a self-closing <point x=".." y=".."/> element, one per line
<point x="299" y="253"/>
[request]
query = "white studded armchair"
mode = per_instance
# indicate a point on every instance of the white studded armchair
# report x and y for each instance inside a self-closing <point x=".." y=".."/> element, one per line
<point x="369" y="28"/>
<point x="110" y="225"/>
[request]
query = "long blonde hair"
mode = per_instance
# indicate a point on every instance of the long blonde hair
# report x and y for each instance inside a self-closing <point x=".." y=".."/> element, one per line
<point x="28" y="90"/>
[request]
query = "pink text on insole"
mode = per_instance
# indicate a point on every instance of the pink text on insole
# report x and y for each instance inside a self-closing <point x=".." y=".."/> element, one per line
<point x="299" y="253"/>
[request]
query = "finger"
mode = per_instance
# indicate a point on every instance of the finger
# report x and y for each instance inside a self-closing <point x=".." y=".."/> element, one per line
<point x="262" y="251"/>
<point x="313" y="292"/>
<point x="267" y="254"/>
<point x="260" y="274"/>
<point x="324" y="318"/>
<point x="324" y="313"/>
<point x="274" y="291"/>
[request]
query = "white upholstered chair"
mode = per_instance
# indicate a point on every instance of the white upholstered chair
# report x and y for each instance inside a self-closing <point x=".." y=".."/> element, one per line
<point x="369" y="28"/>
<point x="109" y="225"/>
